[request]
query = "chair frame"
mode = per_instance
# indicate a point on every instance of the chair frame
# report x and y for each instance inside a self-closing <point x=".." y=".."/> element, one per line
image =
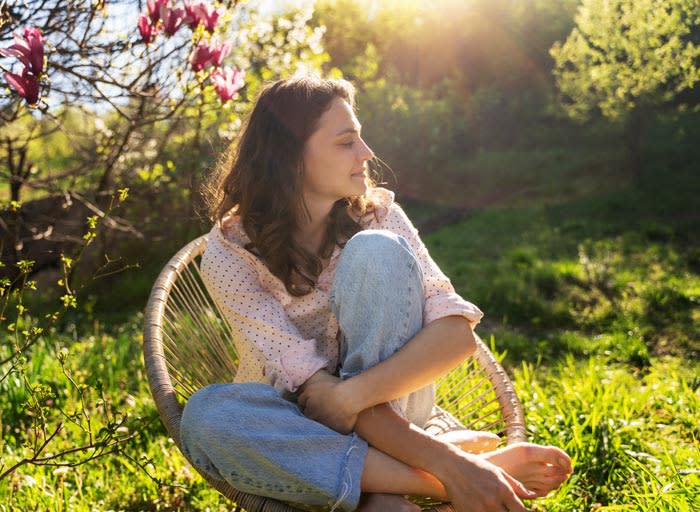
<point x="165" y="392"/>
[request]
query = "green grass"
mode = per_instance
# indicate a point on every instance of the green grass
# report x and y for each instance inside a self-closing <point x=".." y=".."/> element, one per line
<point x="592" y="300"/>
<point x="613" y="273"/>
<point x="633" y="434"/>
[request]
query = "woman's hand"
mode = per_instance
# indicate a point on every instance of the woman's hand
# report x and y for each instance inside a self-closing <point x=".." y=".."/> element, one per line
<point x="322" y="398"/>
<point x="474" y="484"/>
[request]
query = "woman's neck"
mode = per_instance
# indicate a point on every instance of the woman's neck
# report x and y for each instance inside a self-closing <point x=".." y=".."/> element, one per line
<point x="312" y="228"/>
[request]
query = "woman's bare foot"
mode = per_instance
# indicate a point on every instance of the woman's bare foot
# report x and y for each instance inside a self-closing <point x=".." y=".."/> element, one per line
<point x="539" y="468"/>
<point x="377" y="502"/>
<point x="471" y="441"/>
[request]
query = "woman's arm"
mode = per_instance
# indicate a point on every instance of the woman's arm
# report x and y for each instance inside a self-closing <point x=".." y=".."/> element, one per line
<point x="471" y="483"/>
<point x="435" y="350"/>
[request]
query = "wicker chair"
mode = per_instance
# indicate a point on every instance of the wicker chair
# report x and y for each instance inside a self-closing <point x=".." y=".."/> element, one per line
<point x="188" y="345"/>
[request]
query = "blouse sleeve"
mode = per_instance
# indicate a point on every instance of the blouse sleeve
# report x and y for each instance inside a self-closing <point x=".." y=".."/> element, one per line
<point x="257" y="318"/>
<point x="441" y="300"/>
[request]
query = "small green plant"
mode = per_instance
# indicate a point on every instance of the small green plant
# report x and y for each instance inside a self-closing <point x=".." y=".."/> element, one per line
<point x="53" y="400"/>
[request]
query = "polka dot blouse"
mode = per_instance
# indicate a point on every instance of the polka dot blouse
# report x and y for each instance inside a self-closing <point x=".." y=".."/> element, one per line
<point x="283" y="340"/>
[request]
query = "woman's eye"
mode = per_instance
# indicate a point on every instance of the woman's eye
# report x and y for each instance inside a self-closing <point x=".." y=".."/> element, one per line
<point x="348" y="144"/>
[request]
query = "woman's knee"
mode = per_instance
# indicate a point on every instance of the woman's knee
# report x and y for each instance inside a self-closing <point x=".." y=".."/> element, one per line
<point x="371" y="242"/>
<point x="376" y="250"/>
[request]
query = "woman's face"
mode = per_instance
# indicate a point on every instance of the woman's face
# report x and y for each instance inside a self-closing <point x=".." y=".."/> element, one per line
<point x="335" y="157"/>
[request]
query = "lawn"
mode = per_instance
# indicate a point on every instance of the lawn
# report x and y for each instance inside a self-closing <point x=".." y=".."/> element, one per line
<point x="591" y="301"/>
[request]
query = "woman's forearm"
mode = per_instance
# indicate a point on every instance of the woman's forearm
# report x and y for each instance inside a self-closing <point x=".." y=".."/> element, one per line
<point x="388" y="432"/>
<point x="468" y="481"/>
<point x="435" y="350"/>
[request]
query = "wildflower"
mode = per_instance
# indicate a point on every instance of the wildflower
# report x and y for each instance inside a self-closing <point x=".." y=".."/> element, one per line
<point x="219" y="52"/>
<point x="153" y="9"/>
<point x="209" y="53"/>
<point x="26" y="85"/>
<point x="227" y="82"/>
<point x="201" y="56"/>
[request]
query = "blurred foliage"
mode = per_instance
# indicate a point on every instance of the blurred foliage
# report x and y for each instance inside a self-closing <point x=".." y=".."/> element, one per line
<point x="446" y="84"/>
<point x="627" y="60"/>
<point x="625" y="55"/>
<point x="614" y="273"/>
<point x="460" y="100"/>
<point x="477" y="42"/>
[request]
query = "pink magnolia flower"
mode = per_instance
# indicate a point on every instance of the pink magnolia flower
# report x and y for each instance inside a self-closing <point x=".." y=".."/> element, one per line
<point x="219" y="52"/>
<point x="209" y="53"/>
<point x="201" y="56"/>
<point x="147" y="29"/>
<point x="202" y="12"/>
<point x="29" y="50"/>
<point x="172" y="18"/>
<point x="227" y="82"/>
<point x="26" y="85"/>
<point x="153" y="9"/>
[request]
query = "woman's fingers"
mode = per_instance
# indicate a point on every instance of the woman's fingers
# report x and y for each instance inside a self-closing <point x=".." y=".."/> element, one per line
<point x="479" y="485"/>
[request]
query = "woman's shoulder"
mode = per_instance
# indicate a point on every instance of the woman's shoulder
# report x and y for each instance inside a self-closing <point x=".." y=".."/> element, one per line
<point x="380" y="196"/>
<point x="227" y="242"/>
<point x="230" y="230"/>
<point x="386" y="213"/>
<point x="380" y="203"/>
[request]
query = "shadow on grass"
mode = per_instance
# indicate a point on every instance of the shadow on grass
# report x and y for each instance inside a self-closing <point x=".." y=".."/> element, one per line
<point x="617" y="274"/>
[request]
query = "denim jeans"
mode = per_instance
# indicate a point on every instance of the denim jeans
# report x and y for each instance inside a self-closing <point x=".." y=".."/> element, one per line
<point x="260" y="443"/>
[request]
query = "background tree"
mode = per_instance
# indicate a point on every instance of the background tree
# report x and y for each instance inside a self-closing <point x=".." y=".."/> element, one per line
<point x="445" y="81"/>
<point x="101" y="100"/>
<point x="628" y="60"/>
<point x="136" y="95"/>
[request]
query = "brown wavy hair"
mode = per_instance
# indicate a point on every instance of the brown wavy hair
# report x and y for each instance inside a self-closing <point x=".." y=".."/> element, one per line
<point x="260" y="177"/>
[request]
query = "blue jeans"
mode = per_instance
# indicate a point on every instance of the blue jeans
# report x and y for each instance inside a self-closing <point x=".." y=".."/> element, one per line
<point x="260" y="443"/>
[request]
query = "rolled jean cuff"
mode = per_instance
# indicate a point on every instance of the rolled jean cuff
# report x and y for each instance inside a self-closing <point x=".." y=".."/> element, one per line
<point x="349" y="491"/>
<point x="346" y="375"/>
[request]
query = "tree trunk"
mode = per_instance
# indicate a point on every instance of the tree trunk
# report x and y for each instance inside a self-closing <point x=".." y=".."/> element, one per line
<point x="635" y="131"/>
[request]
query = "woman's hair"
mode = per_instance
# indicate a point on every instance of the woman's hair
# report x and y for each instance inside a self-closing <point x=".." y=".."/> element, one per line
<point x="260" y="178"/>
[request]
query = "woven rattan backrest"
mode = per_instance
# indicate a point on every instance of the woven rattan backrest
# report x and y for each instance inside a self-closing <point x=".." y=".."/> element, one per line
<point x="188" y="344"/>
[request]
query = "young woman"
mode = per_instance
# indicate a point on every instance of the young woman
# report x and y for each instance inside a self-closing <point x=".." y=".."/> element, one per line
<point x="342" y="323"/>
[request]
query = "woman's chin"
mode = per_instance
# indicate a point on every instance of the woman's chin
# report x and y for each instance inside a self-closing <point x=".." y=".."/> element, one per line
<point x="360" y="185"/>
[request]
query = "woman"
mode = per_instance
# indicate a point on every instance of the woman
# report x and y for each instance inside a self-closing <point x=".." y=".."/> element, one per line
<point x="342" y="322"/>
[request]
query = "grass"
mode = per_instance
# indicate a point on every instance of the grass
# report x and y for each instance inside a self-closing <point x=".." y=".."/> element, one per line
<point x="593" y="303"/>
<point x="633" y="434"/>
<point x="620" y="270"/>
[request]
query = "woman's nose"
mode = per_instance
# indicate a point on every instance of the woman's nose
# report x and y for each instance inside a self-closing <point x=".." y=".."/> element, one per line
<point x="365" y="152"/>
